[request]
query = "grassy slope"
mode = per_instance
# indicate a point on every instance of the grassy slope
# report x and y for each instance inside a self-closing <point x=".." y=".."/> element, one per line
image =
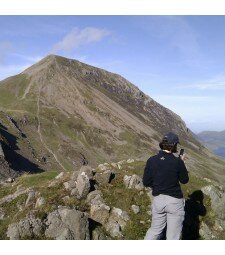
<point x="115" y="195"/>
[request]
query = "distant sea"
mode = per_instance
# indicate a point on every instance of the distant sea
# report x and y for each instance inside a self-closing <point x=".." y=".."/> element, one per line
<point x="220" y="151"/>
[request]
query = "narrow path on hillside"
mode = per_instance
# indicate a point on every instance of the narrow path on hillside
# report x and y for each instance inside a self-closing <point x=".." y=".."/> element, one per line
<point x="40" y="135"/>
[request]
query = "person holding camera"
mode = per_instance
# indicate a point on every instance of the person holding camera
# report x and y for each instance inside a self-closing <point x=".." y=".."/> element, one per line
<point x="163" y="173"/>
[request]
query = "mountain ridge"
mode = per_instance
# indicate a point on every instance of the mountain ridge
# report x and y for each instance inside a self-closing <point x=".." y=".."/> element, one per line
<point x="77" y="114"/>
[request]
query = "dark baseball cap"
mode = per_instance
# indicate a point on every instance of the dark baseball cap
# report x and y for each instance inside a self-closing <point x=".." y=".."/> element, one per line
<point x="171" y="138"/>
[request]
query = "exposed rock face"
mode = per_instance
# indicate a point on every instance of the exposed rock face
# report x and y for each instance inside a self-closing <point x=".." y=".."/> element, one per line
<point x="69" y="185"/>
<point x="31" y="198"/>
<point x="2" y="214"/>
<point x="67" y="224"/>
<point x="83" y="185"/>
<point x="133" y="182"/>
<point x="5" y="171"/>
<point x="28" y="228"/>
<point x="135" y="209"/>
<point x="95" y="197"/>
<point x="104" y="177"/>
<point x="99" y="213"/>
<point x="40" y="202"/>
<point x="205" y="232"/>
<point x="116" y="222"/>
<point x="11" y="197"/>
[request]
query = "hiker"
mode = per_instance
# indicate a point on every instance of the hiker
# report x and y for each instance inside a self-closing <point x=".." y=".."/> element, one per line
<point x="162" y="173"/>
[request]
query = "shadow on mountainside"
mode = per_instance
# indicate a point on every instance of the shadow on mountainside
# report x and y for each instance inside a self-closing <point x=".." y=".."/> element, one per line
<point x="17" y="162"/>
<point x="194" y="208"/>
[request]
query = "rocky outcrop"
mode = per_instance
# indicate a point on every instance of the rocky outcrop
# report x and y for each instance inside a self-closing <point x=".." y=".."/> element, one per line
<point x="103" y="178"/>
<point x="133" y="182"/>
<point x="28" y="228"/>
<point x="117" y="222"/>
<point x="67" y="224"/>
<point x="13" y="196"/>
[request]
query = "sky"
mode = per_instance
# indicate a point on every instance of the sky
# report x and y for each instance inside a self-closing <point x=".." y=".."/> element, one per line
<point x="177" y="60"/>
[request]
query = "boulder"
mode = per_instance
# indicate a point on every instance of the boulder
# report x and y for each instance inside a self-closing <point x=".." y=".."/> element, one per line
<point x="219" y="208"/>
<point x="30" y="198"/>
<point x="130" y="160"/>
<point x="2" y="214"/>
<point x="102" y="167"/>
<point x="69" y="185"/>
<point x="40" y="202"/>
<point x="13" y="196"/>
<point x="60" y="176"/>
<point x="116" y="222"/>
<point x="99" y="213"/>
<point x="27" y="228"/>
<point x="95" y="197"/>
<point x="103" y="178"/>
<point x="133" y="182"/>
<point x="83" y="185"/>
<point x="98" y="234"/>
<point x="88" y="171"/>
<point x="135" y="209"/>
<point x="67" y="224"/>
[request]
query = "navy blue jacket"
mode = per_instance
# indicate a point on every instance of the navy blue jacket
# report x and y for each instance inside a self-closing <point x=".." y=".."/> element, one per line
<point x="163" y="173"/>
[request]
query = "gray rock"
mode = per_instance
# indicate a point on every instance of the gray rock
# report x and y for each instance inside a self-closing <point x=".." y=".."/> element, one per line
<point x="98" y="234"/>
<point x="60" y="176"/>
<point x="217" y="200"/>
<point x="135" y="209"/>
<point x="133" y="182"/>
<point x="116" y="222"/>
<point x="10" y="180"/>
<point x="2" y="214"/>
<point x="40" y="202"/>
<point x="88" y="171"/>
<point x="219" y="208"/>
<point x="130" y="160"/>
<point x="219" y="225"/>
<point x="83" y="185"/>
<point x="213" y="193"/>
<point x="69" y="185"/>
<point x="1" y="151"/>
<point x="67" y="224"/>
<point x="205" y="232"/>
<point x="102" y="167"/>
<point x="103" y="178"/>
<point x="30" y="198"/>
<point x="95" y="197"/>
<point x="126" y="180"/>
<point x="29" y="227"/>
<point x="13" y="196"/>
<point x="99" y="213"/>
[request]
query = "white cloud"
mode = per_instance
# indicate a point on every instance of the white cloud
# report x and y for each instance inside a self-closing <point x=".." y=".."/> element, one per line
<point x="78" y="37"/>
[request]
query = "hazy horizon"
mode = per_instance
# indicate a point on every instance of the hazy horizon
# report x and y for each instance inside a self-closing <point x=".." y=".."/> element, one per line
<point x="176" y="60"/>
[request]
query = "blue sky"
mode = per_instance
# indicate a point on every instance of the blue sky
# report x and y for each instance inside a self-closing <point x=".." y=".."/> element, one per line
<point x="177" y="60"/>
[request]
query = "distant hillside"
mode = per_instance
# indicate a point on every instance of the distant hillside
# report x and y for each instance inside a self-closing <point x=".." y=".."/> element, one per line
<point x="60" y="114"/>
<point x="215" y="141"/>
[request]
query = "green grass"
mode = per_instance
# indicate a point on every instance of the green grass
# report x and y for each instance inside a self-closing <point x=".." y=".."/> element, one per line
<point x="37" y="180"/>
<point x="116" y="195"/>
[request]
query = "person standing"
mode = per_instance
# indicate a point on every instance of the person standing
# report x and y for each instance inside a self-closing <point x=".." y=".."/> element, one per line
<point x="163" y="173"/>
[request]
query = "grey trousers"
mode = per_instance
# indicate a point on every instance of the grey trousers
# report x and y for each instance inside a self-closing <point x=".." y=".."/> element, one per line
<point x="167" y="212"/>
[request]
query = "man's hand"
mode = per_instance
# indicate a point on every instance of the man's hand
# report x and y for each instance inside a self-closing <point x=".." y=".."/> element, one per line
<point x="183" y="157"/>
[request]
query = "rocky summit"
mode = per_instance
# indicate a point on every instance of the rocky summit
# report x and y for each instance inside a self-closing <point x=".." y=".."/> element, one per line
<point x="74" y="140"/>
